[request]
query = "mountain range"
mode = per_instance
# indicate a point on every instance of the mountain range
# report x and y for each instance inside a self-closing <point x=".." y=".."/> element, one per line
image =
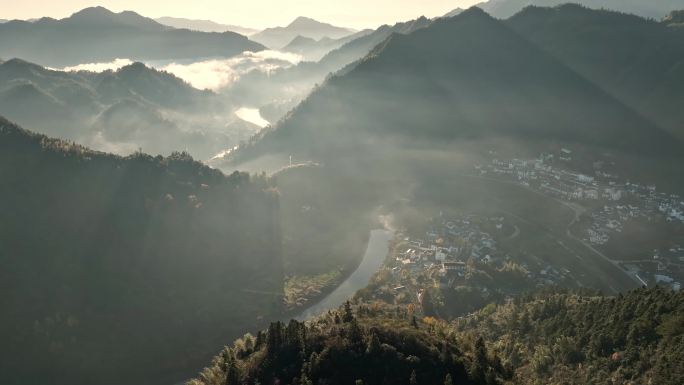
<point x="278" y="37"/>
<point x="99" y="35"/>
<point x="204" y="25"/>
<point x="313" y="50"/>
<point x="450" y="74"/>
<point x="279" y="91"/>
<point x="648" y="9"/>
<point x="120" y="111"/>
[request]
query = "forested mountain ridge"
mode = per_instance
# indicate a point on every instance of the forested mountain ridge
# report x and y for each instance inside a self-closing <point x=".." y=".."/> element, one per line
<point x="580" y="338"/>
<point x="294" y="83"/>
<point x="99" y="35"/>
<point x="550" y="336"/>
<point x="639" y="61"/>
<point x="451" y="76"/>
<point x="136" y="254"/>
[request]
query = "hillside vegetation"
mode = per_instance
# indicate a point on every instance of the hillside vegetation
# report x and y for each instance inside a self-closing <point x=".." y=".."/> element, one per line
<point x="135" y="254"/>
<point x="549" y="337"/>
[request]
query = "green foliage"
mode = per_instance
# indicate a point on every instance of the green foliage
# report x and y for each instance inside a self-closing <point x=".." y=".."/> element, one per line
<point x="585" y="337"/>
<point x="565" y="338"/>
<point x="379" y="346"/>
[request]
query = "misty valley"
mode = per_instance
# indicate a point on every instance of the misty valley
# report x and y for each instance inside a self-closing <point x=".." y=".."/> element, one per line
<point x="491" y="195"/>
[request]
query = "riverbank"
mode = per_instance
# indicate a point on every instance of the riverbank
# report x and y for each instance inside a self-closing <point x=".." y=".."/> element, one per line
<point x="374" y="257"/>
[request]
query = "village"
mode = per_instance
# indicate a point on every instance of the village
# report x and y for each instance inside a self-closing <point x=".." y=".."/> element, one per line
<point x="608" y="202"/>
<point x="459" y="261"/>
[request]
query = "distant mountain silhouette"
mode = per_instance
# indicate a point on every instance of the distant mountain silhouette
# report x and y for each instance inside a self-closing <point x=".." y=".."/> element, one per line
<point x="469" y="77"/>
<point x="98" y="35"/>
<point x="656" y="9"/>
<point x="639" y="61"/>
<point x="282" y="89"/>
<point x="279" y="37"/>
<point x="454" y="12"/>
<point x="204" y="25"/>
<point x="313" y="50"/>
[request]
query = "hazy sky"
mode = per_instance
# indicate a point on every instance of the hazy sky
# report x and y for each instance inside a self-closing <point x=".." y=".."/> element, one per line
<point x="249" y="13"/>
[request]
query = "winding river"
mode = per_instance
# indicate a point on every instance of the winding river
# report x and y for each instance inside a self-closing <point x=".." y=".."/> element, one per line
<point x="378" y="247"/>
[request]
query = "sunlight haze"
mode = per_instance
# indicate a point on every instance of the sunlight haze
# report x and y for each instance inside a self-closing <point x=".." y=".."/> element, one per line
<point x="257" y="14"/>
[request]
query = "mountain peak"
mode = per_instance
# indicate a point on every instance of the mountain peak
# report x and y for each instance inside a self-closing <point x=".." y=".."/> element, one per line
<point x="100" y="15"/>
<point x="303" y="21"/>
<point x="474" y="11"/>
<point x="93" y="12"/>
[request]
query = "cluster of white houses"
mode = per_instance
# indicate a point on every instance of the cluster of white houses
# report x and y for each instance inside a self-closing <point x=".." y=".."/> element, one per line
<point x="621" y="200"/>
<point x="449" y="244"/>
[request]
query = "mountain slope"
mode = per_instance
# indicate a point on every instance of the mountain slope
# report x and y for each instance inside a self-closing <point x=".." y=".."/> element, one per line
<point x="99" y="35"/>
<point x="278" y="37"/>
<point x="163" y="112"/>
<point x="639" y="61"/>
<point x="284" y="88"/>
<point x="554" y="337"/>
<point x="651" y="9"/>
<point x="449" y="82"/>
<point x="547" y="337"/>
<point x="204" y="25"/>
<point x="313" y="50"/>
<point x="133" y="254"/>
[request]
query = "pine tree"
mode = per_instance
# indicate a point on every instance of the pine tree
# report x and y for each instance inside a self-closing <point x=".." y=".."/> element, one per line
<point x="233" y="374"/>
<point x="348" y="315"/>
<point x="373" y="347"/>
<point x="305" y="380"/>
<point x="477" y="370"/>
<point x="448" y="380"/>
<point x="413" y="379"/>
<point x="259" y="340"/>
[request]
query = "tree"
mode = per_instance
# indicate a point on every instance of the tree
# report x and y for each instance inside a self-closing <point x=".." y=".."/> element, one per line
<point x="426" y="303"/>
<point x="348" y="315"/>
<point x="477" y="370"/>
<point x="413" y="380"/>
<point x="275" y="338"/>
<point x="373" y="344"/>
<point x="233" y="374"/>
<point x="448" y="380"/>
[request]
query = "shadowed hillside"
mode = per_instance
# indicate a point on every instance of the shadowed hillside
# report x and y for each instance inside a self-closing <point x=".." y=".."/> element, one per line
<point x="639" y="61"/>
<point x="134" y="254"/>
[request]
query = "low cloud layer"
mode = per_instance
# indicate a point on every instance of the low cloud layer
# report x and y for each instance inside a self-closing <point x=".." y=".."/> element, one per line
<point x="219" y="73"/>
<point x="212" y="74"/>
<point x="100" y="67"/>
